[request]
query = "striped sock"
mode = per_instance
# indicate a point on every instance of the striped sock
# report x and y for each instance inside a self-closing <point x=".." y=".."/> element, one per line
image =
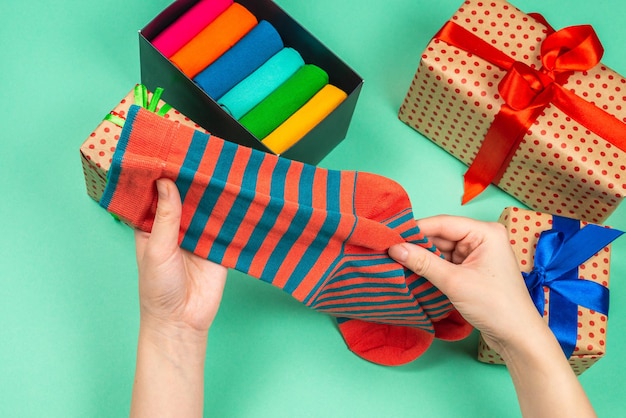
<point x="320" y="235"/>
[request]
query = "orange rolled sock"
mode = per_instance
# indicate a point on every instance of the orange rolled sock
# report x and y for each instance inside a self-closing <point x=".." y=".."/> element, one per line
<point x="215" y="39"/>
<point x="305" y="119"/>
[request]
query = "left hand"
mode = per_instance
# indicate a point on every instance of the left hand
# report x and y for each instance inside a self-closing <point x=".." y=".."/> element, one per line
<point x="178" y="290"/>
<point x="179" y="295"/>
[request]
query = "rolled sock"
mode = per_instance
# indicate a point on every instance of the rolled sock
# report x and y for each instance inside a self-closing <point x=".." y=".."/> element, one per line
<point x="304" y="119"/>
<point x="215" y="39"/>
<point x="172" y="38"/>
<point x="284" y="101"/>
<point x="261" y="83"/>
<point x="320" y="235"/>
<point x="261" y="43"/>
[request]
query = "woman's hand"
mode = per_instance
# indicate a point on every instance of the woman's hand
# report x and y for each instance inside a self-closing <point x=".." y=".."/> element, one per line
<point x="480" y="276"/>
<point x="176" y="288"/>
<point x="179" y="296"/>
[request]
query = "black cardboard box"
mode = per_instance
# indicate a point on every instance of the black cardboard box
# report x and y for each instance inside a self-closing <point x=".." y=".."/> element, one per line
<point x="182" y="93"/>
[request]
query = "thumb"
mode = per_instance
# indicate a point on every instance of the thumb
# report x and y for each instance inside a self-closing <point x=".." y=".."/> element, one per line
<point x="424" y="263"/>
<point x="167" y="219"/>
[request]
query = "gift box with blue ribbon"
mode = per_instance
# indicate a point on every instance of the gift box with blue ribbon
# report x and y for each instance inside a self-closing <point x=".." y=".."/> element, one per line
<point x="565" y="264"/>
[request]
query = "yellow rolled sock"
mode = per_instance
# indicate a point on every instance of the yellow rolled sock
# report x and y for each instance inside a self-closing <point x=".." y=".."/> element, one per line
<point x="304" y="119"/>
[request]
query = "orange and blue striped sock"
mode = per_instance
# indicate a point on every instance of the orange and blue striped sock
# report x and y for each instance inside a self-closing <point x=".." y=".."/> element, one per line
<point x="320" y="235"/>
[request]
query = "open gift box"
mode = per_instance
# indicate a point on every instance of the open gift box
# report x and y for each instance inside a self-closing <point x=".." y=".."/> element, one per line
<point x="565" y="263"/>
<point x="528" y="108"/>
<point x="185" y="95"/>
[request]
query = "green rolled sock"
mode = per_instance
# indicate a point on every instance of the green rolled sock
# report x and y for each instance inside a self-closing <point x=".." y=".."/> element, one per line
<point x="284" y="101"/>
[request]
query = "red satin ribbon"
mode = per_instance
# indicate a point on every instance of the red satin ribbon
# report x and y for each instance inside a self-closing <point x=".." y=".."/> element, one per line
<point x="527" y="92"/>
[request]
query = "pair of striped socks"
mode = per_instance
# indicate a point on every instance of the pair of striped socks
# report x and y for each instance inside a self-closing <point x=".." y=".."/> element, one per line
<point x="320" y="235"/>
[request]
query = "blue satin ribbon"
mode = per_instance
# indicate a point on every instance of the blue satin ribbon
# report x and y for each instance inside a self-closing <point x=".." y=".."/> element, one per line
<point x="559" y="253"/>
<point x="141" y="99"/>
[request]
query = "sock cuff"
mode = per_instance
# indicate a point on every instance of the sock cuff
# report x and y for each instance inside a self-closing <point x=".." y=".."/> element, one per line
<point x="145" y="142"/>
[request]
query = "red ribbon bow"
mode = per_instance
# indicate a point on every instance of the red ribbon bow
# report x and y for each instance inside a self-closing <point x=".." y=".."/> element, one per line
<point x="527" y="91"/>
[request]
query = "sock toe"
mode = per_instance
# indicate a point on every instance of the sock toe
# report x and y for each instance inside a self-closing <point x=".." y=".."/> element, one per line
<point x="452" y="328"/>
<point x="388" y="345"/>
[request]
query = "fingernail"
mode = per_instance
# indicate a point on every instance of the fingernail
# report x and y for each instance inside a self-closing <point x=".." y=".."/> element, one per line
<point x="398" y="253"/>
<point x="162" y="189"/>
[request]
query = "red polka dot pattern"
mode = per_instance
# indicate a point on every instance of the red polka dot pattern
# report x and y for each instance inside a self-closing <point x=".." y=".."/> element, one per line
<point x="559" y="167"/>
<point x="97" y="150"/>
<point x="524" y="228"/>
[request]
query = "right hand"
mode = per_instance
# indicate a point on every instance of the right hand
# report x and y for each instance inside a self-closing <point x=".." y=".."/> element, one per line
<point x="480" y="276"/>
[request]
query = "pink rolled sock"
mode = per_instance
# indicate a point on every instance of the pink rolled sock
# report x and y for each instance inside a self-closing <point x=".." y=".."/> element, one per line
<point x="189" y="25"/>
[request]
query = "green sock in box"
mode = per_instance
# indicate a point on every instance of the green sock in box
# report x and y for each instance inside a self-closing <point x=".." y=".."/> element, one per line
<point x="284" y="101"/>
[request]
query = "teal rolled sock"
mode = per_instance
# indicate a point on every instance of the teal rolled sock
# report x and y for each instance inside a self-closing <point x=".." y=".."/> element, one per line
<point x="261" y="83"/>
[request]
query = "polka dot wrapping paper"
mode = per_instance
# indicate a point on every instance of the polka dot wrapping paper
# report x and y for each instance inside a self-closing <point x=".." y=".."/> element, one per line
<point x="559" y="166"/>
<point x="524" y="228"/>
<point x="97" y="150"/>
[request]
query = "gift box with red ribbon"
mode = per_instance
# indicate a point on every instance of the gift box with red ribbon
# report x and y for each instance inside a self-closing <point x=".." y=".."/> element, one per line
<point x="526" y="107"/>
<point x="97" y="150"/>
<point x="565" y="265"/>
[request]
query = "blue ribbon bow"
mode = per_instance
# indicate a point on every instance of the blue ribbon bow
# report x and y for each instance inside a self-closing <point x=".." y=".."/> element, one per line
<point x="559" y="253"/>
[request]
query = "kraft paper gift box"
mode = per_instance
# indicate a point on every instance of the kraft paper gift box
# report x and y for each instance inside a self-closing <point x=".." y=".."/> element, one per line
<point x="565" y="264"/>
<point x="97" y="150"/>
<point x="528" y="108"/>
<point x="182" y="93"/>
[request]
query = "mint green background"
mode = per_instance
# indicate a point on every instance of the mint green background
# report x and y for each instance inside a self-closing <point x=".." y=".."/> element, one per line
<point x="68" y="293"/>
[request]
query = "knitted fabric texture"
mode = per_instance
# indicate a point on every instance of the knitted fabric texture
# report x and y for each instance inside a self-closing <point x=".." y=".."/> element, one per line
<point x="214" y="40"/>
<point x="320" y="235"/>
<point x="252" y="51"/>
<point x="304" y="119"/>
<point x="261" y="83"/>
<point x="186" y="27"/>
<point x="285" y="100"/>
